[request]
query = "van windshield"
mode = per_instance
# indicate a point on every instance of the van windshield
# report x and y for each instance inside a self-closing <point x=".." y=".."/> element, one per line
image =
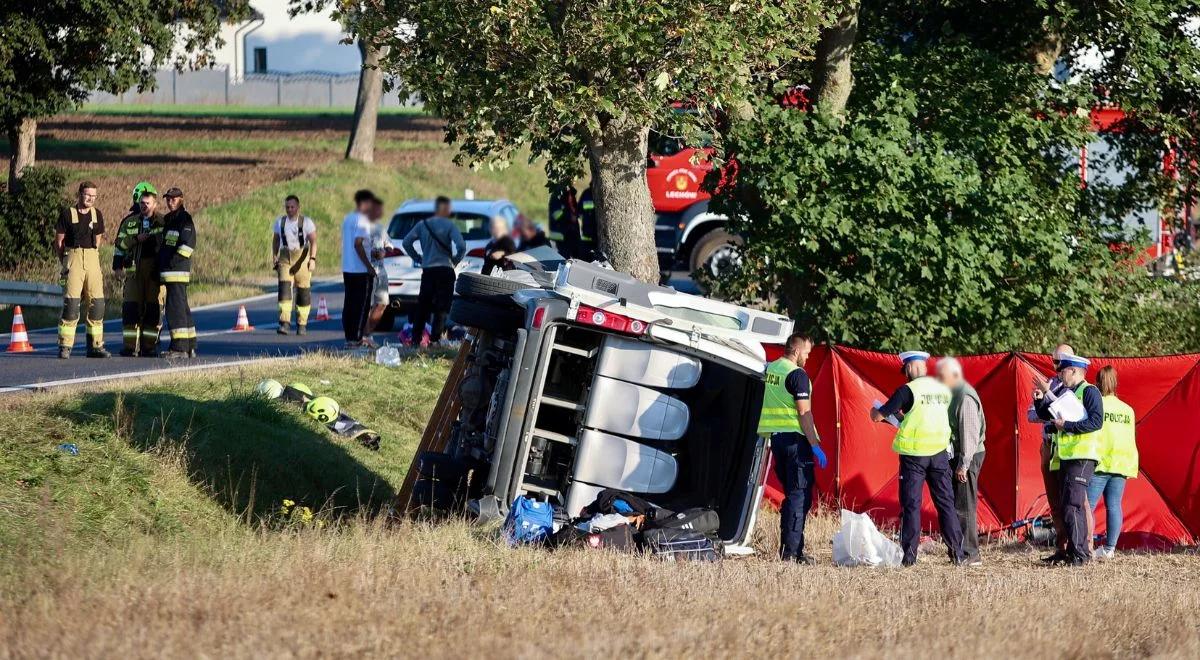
<point x="474" y="226"/>
<point x="701" y="317"/>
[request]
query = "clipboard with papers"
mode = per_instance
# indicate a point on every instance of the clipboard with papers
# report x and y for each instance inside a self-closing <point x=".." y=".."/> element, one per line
<point x="1068" y="408"/>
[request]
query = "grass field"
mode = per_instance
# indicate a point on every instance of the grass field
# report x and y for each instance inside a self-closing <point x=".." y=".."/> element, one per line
<point x="164" y="538"/>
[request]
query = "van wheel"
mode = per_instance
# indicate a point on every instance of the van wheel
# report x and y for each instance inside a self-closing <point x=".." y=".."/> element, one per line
<point x="716" y="253"/>
<point x="488" y="316"/>
<point x="486" y="287"/>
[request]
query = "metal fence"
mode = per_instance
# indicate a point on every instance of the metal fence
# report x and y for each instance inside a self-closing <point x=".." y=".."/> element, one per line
<point x="30" y="294"/>
<point x="218" y="87"/>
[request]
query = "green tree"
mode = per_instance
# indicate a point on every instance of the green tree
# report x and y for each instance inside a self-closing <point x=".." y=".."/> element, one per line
<point x="582" y="83"/>
<point x="941" y="205"/>
<point x="53" y="53"/>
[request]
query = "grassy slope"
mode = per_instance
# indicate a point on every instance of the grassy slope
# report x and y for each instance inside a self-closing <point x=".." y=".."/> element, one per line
<point x="136" y="548"/>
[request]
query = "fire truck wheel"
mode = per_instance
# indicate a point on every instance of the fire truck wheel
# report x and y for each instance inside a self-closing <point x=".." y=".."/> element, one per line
<point x="717" y="251"/>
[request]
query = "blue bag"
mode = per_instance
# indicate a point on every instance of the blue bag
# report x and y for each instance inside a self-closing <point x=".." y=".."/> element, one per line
<point x="529" y="521"/>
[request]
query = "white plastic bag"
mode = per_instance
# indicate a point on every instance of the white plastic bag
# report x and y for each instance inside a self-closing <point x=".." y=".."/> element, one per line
<point x="388" y="356"/>
<point x="860" y="543"/>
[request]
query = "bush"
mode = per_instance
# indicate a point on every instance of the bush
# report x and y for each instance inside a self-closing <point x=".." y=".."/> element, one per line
<point x="27" y="217"/>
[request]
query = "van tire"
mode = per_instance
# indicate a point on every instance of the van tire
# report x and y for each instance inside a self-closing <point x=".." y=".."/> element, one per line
<point x="486" y="287"/>
<point x="487" y="316"/>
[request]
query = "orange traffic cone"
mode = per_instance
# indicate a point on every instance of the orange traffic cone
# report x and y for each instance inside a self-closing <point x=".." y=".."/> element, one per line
<point x="322" y="309"/>
<point x="243" y="323"/>
<point x="19" y="341"/>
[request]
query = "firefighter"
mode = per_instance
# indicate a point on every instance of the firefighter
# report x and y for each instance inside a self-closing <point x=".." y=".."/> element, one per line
<point x="175" y="273"/>
<point x="923" y="404"/>
<point x="788" y="419"/>
<point x="1077" y="449"/>
<point x="77" y="237"/>
<point x="294" y="249"/>
<point x="136" y="256"/>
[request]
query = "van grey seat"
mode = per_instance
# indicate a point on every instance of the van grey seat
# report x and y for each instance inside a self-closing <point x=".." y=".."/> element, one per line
<point x="620" y="407"/>
<point x="603" y="460"/>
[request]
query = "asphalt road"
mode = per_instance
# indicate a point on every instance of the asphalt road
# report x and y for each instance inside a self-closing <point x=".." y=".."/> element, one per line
<point x="216" y="342"/>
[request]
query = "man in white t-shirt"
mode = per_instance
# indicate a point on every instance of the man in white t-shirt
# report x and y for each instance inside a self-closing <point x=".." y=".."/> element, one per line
<point x="294" y="249"/>
<point x="358" y="275"/>
<point x="381" y="248"/>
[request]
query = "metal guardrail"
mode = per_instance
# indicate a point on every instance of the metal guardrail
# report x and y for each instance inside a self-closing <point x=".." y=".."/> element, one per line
<point x="33" y="294"/>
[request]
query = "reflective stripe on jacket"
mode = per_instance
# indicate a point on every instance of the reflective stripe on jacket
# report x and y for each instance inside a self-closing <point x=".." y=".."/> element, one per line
<point x="779" y="406"/>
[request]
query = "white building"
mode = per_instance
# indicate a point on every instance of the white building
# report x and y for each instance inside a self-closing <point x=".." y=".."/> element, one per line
<point x="285" y="44"/>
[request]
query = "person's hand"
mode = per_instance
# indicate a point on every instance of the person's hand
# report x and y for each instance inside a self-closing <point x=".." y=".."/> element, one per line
<point x="961" y="474"/>
<point x="819" y="454"/>
<point x="1040" y="382"/>
<point x="141" y="238"/>
<point x="312" y="263"/>
<point x="1060" y="423"/>
<point x="275" y="265"/>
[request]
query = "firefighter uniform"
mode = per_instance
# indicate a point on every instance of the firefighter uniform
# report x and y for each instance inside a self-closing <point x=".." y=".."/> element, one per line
<point x="787" y="383"/>
<point x="294" y="270"/>
<point x="82" y="279"/>
<point x="922" y="442"/>
<point x="175" y="273"/>
<point x="141" y="299"/>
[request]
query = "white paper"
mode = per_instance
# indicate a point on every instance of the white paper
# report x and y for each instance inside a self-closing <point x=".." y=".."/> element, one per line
<point x="890" y="419"/>
<point x="1068" y="408"/>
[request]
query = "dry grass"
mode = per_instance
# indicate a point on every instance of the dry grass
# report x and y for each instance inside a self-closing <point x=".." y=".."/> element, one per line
<point x="128" y="551"/>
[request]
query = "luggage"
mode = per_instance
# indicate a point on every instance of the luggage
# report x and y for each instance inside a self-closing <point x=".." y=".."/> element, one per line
<point x="617" y="539"/>
<point x="681" y="545"/>
<point x="702" y="520"/>
<point x="611" y="500"/>
<point x="529" y="521"/>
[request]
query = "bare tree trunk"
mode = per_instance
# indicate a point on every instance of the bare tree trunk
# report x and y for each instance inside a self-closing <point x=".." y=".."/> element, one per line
<point x="624" y="211"/>
<point x="832" y="79"/>
<point x="22" y="143"/>
<point x="366" y="105"/>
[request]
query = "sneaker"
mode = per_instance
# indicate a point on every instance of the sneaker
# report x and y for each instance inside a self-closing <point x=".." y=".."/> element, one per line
<point x="64" y="352"/>
<point x="282" y="329"/>
<point x="128" y="352"/>
<point x="1104" y="552"/>
<point x="974" y="562"/>
<point x="369" y="343"/>
<point x="804" y="560"/>
<point x="192" y="353"/>
<point x="302" y="329"/>
<point x="98" y="352"/>
<point x="174" y="355"/>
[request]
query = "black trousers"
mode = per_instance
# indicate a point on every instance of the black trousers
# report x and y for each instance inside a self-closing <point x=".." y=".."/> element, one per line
<point x="179" y="318"/>
<point x="433" y="302"/>
<point x="1075" y="476"/>
<point x="966" y="503"/>
<point x="794" y="469"/>
<point x="357" y="304"/>
<point x="915" y="472"/>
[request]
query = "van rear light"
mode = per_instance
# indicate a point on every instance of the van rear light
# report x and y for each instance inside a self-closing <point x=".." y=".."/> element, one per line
<point x="605" y="319"/>
<point x="478" y="253"/>
<point x="539" y="317"/>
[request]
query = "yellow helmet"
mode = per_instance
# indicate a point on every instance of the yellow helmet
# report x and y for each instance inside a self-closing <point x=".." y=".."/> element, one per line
<point x="269" y="388"/>
<point x="323" y="409"/>
<point x="301" y="387"/>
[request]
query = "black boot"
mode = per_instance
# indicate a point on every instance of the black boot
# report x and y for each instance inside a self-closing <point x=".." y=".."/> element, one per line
<point x="301" y="329"/>
<point x="64" y="352"/>
<point x="98" y="352"/>
<point x="283" y="328"/>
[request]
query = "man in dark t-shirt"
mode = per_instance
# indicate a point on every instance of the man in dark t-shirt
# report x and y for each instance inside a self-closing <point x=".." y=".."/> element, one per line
<point x="77" y="235"/>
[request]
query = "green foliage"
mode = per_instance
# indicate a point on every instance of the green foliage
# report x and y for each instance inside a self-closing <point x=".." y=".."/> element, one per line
<point x="27" y="217"/>
<point x="549" y="76"/>
<point x="53" y="53"/>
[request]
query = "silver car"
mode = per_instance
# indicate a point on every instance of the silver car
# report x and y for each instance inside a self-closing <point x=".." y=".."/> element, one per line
<point x="581" y="378"/>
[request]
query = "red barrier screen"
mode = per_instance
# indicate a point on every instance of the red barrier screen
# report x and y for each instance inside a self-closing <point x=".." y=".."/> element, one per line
<point x="1162" y="506"/>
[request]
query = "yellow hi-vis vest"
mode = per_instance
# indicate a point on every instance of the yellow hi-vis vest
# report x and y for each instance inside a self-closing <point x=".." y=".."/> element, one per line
<point x="925" y="430"/>
<point x="1077" y="446"/>
<point x="1118" y="445"/>
<point x="779" y="406"/>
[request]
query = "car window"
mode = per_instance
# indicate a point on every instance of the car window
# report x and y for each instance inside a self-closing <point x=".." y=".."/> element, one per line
<point x="474" y="226"/>
<point x="701" y="317"/>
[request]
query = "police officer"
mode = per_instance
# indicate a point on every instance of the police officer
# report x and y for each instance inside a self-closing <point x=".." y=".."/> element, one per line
<point x="788" y="419"/>
<point x="1077" y="450"/>
<point x="175" y="273"/>
<point x="77" y="237"/>
<point x="136" y="256"/>
<point x="923" y="406"/>
<point x="294" y="248"/>
<point x="1118" y="460"/>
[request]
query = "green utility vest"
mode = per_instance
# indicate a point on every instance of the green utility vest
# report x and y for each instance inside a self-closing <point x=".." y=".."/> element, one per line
<point x="1118" y="445"/>
<point x="1077" y="446"/>
<point x="925" y="430"/>
<point x="779" y="406"/>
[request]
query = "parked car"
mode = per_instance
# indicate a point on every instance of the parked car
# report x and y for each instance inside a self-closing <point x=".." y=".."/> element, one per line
<point x="472" y="217"/>
<point x="581" y="379"/>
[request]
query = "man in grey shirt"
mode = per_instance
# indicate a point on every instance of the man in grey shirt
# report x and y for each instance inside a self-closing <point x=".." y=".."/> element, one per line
<point x="442" y="247"/>
<point x="967" y="431"/>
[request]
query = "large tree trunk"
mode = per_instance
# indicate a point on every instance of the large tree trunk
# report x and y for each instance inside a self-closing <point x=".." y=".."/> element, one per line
<point x="832" y="79"/>
<point x="366" y="105"/>
<point x="624" y="211"/>
<point x="23" y="148"/>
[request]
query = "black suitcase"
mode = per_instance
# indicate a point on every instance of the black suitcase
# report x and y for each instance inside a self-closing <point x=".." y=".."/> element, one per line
<point x="616" y="539"/>
<point x="681" y="545"/>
